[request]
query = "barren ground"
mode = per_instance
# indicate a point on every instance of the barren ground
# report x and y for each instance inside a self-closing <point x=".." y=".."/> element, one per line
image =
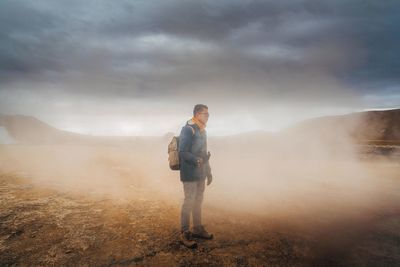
<point x="41" y="225"/>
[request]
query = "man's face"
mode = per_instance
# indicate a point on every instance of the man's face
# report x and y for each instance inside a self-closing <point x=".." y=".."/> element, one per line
<point x="203" y="115"/>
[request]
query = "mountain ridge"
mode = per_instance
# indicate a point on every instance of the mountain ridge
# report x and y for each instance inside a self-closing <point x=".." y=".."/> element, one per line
<point x="374" y="126"/>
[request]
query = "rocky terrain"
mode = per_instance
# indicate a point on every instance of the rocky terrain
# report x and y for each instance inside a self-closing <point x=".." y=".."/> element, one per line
<point x="43" y="226"/>
<point x="317" y="201"/>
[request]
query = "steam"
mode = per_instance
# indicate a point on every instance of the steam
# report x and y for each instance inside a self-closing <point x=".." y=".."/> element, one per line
<point x="289" y="173"/>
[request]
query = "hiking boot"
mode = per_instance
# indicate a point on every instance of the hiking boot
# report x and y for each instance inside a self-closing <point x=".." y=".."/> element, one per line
<point x="186" y="239"/>
<point x="200" y="232"/>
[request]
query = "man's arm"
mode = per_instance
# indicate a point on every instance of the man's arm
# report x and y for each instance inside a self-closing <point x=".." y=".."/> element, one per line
<point x="208" y="173"/>
<point x="185" y="142"/>
<point x="208" y="169"/>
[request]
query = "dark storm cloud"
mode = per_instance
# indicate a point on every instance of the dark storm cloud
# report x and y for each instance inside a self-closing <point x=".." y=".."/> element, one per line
<point x="20" y="32"/>
<point x="154" y="48"/>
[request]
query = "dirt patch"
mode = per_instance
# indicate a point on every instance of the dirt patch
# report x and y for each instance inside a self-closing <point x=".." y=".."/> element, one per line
<point x="40" y="226"/>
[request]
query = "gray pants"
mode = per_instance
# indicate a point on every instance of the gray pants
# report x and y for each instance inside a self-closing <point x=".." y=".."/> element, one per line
<point x="192" y="203"/>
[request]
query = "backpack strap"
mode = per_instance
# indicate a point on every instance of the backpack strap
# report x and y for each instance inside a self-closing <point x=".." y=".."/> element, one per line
<point x="192" y="129"/>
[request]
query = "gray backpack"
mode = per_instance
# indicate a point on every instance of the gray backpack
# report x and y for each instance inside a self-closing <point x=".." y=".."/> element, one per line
<point x="173" y="153"/>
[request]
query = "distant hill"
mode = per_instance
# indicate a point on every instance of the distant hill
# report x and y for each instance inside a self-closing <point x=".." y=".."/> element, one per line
<point x="29" y="130"/>
<point x="369" y="127"/>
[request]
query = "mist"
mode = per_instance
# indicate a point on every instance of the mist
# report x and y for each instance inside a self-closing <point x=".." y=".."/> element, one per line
<point x="293" y="172"/>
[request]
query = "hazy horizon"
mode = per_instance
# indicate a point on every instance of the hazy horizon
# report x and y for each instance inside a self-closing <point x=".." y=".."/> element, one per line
<point x="176" y="131"/>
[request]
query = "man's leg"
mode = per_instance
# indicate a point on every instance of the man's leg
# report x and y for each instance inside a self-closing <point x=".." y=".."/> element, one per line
<point x="189" y="189"/>
<point x="198" y="229"/>
<point x="196" y="212"/>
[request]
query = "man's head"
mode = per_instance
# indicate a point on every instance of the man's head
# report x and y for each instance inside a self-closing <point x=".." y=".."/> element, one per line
<point x="200" y="112"/>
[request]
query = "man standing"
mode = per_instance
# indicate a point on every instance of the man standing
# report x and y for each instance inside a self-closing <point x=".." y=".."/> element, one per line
<point x="194" y="170"/>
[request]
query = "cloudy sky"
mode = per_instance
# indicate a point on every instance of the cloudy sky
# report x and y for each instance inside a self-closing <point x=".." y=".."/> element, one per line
<point x="139" y="67"/>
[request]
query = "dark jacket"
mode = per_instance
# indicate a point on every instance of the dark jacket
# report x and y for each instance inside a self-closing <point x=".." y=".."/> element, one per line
<point x="191" y="147"/>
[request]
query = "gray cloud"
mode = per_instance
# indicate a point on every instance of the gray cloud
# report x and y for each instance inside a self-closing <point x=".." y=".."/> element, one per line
<point x="333" y="53"/>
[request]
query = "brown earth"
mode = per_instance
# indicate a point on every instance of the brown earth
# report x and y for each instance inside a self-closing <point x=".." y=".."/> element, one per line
<point x="291" y="199"/>
<point x="40" y="226"/>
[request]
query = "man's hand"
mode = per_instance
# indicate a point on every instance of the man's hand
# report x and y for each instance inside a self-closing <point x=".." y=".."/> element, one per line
<point x="199" y="161"/>
<point x="209" y="179"/>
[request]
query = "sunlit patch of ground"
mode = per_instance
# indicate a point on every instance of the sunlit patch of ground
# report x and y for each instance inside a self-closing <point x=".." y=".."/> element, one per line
<point x="43" y="226"/>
